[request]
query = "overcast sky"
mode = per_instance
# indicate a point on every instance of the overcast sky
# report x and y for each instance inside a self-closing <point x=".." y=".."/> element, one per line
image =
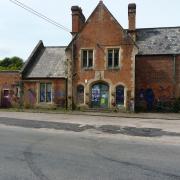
<point x="20" y="31"/>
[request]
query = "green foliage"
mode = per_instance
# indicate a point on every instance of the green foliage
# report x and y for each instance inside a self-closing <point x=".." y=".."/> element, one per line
<point x="14" y="63"/>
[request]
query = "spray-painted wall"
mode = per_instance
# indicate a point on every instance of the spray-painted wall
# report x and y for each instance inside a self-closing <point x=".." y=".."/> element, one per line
<point x="32" y="93"/>
<point x="157" y="80"/>
<point x="9" y="89"/>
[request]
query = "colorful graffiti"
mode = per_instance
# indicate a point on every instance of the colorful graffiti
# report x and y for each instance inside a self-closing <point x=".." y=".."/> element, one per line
<point x="31" y="96"/>
<point x="9" y="96"/>
<point x="59" y="97"/>
<point x="150" y="98"/>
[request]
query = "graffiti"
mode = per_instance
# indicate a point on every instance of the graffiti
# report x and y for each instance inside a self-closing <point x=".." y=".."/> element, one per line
<point x="59" y="94"/>
<point x="31" y="96"/>
<point x="9" y="96"/>
<point x="59" y="98"/>
<point x="152" y="98"/>
<point x="149" y="97"/>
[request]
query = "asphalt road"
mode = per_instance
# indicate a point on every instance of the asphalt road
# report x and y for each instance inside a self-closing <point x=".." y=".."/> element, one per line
<point x="31" y="154"/>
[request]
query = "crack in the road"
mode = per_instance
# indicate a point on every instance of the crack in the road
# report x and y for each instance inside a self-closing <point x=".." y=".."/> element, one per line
<point x="29" y="158"/>
<point x="139" y="166"/>
<point x="98" y="153"/>
<point x="110" y="129"/>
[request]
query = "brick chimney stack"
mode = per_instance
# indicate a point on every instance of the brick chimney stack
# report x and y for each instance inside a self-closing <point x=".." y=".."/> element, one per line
<point x="78" y="19"/>
<point x="132" y="20"/>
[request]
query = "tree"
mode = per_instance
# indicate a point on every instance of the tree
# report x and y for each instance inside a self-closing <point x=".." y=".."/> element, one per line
<point x="14" y="63"/>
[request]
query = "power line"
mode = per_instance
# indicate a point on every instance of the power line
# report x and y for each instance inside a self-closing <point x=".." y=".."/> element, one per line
<point x="32" y="11"/>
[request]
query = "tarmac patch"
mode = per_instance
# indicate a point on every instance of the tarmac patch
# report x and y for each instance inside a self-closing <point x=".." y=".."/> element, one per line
<point x="110" y="129"/>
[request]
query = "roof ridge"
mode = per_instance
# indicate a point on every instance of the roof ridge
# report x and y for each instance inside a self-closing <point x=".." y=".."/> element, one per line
<point x="170" y="27"/>
<point x="55" y="46"/>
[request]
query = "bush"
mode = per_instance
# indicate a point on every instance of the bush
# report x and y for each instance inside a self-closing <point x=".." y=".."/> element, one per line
<point x="14" y="63"/>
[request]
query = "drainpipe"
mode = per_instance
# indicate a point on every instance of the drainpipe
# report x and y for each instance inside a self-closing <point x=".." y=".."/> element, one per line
<point x="174" y="73"/>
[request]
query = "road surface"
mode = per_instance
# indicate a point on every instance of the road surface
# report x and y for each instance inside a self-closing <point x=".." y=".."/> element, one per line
<point x="33" y="154"/>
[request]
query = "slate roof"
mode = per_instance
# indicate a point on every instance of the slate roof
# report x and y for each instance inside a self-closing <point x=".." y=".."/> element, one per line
<point x="49" y="62"/>
<point x="155" y="41"/>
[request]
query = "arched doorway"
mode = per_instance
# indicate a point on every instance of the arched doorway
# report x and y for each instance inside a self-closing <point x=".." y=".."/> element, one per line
<point x="100" y="95"/>
<point x="120" y="95"/>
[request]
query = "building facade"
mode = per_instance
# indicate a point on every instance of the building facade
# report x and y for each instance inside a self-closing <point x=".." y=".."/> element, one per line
<point x="105" y="66"/>
<point x="44" y="78"/>
<point x="101" y="60"/>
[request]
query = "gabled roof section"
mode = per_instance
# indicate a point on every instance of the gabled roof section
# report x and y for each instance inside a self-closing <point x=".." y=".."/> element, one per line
<point x="45" y="62"/>
<point x="32" y="56"/>
<point x="154" y="41"/>
<point x="102" y="5"/>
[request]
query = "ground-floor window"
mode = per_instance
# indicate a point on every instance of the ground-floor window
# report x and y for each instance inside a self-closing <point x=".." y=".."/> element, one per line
<point x="80" y="94"/>
<point x="100" y="95"/>
<point x="120" y="95"/>
<point x="45" y="92"/>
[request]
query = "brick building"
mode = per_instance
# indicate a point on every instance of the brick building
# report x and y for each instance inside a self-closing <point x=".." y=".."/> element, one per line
<point x="112" y="67"/>
<point x="44" y="78"/>
<point x="9" y="88"/>
<point x="105" y="66"/>
<point x="102" y="66"/>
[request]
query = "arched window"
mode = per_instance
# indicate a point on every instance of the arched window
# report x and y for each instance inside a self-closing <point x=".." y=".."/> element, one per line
<point x="80" y="94"/>
<point x="120" y="95"/>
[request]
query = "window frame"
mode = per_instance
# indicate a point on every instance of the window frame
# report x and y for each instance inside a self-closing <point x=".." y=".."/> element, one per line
<point x="87" y="60"/>
<point x="45" y="92"/>
<point x="113" y="49"/>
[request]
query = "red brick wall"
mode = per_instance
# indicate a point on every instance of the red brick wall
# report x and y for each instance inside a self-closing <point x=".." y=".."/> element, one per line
<point x="30" y="90"/>
<point x="157" y="73"/>
<point x="102" y="32"/>
<point x="9" y="80"/>
<point x="31" y="93"/>
<point x="177" y="88"/>
<point x="59" y="96"/>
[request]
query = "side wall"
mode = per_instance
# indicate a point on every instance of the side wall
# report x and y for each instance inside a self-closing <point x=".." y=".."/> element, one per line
<point x="177" y="83"/>
<point x="161" y="74"/>
<point x="9" y="88"/>
<point x="31" y="93"/>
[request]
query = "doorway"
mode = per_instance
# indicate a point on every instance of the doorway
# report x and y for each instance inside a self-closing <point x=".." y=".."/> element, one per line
<point x="100" y="95"/>
<point x="6" y="98"/>
<point x="119" y="96"/>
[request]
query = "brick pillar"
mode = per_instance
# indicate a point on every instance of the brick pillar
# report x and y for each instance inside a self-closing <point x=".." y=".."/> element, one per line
<point x="69" y="81"/>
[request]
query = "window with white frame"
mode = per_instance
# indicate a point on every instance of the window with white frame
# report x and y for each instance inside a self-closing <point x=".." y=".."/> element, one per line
<point x="113" y="58"/>
<point x="87" y="58"/>
<point x="45" y="92"/>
